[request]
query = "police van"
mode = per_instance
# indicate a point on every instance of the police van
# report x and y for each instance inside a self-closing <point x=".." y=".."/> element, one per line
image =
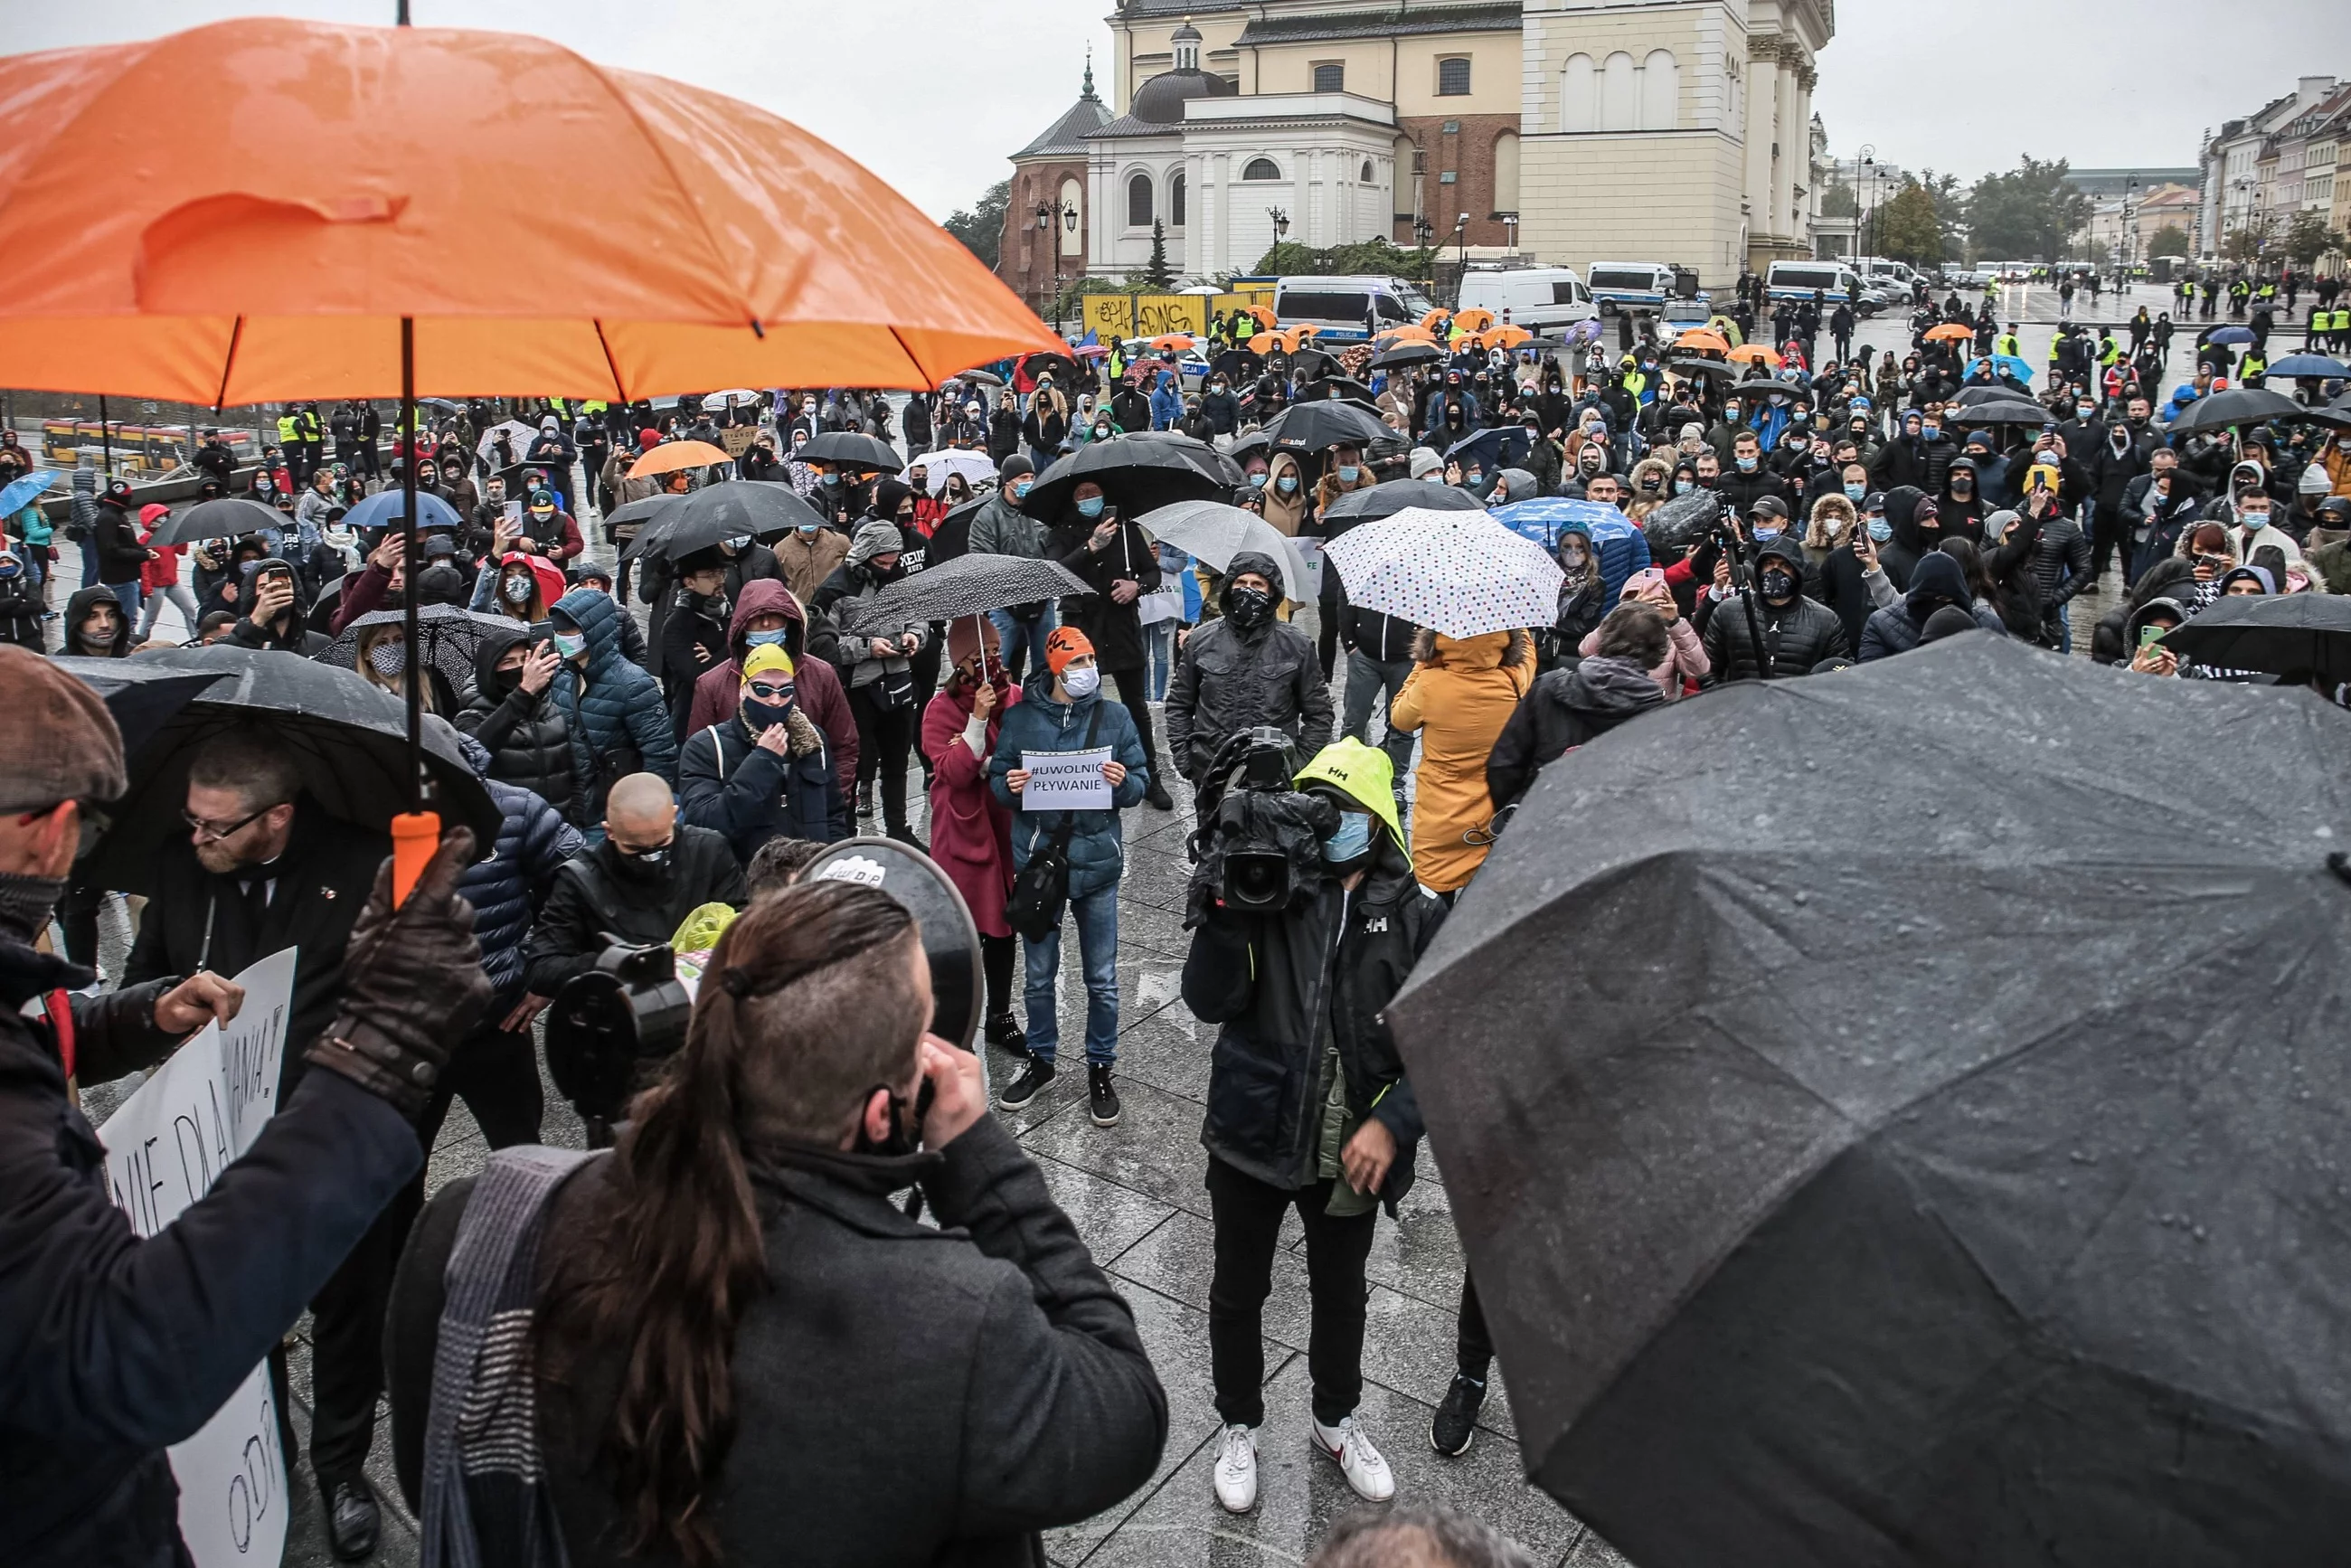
<point x="1540" y="299"/>
<point x="1834" y="281"/>
<point x="1348" y="310"/>
<point x="1629" y="284"/>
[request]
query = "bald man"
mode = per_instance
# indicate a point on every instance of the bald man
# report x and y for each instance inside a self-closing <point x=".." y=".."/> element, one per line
<point x="637" y="886"/>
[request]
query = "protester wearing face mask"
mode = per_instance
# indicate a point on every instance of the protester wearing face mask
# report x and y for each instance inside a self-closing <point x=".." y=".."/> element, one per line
<point x="768" y="615"/>
<point x="618" y="721"/>
<point x="1796" y="634"/>
<point x="1747" y="480"/>
<point x="1110" y="554"/>
<point x="2253" y="529"/>
<point x="644" y="873"/>
<point x="694" y="635"/>
<point x="519" y="587"/>
<point x="764" y="773"/>
<point x="381" y="657"/>
<point x="1852" y="581"/>
<point x="1938" y="582"/>
<point x="1245" y="669"/>
<point x="875" y="662"/>
<point x="1285" y="495"/>
<point x="971" y="833"/>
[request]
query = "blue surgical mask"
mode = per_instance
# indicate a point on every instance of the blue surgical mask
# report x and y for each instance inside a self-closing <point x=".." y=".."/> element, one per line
<point x="1351" y="841"/>
<point x="810" y="530"/>
<point x="1091" y="506"/>
<point x="569" y="645"/>
<point x="1931" y="431"/>
<point x="1083" y="681"/>
<point x="1746" y="465"/>
<point x="1286" y="484"/>
<point x="1855" y="492"/>
<point x="766" y="639"/>
<point x="1348" y="472"/>
<point x="1684" y="486"/>
<point x="1765" y="531"/>
<point x="1021" y="488"/>
<point x="1256" y="480"/>
<point x="1880" y="530"/>
<point x="832" y="478"/>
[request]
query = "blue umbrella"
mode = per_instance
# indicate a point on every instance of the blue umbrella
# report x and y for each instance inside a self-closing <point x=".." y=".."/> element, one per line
<point x="20" y="492"/>
<point x="2292" y="367"/>
<point x="1622" y="546"/>
<point x="383" y="508"/>
<point x="2231" y="335"/>
<point x="2003" y="365"/>
<point x="1497" y="446"/>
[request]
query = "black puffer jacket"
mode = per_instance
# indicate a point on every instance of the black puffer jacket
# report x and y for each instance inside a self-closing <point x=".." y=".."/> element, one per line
<point x="507" y="889"/>
<point x="1562" y="711"/>
<point x="1227" y="681"/>
<point x="528" y="738"/>
<point x="1796" y="635"/>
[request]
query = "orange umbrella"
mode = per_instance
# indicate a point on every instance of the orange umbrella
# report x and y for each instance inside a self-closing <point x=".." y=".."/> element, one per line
<point x="1408" y="335"/>
<point x="1473" y="320"/>
<point x="1173" y="342"/>
<point x="671" y="455"/>
<point x="1754" y="351"/>
<point x="1287" y="341"/>
<point x="1950" y="332"/>
<point x="1701" y="341"/>
<point x="218" y="266"/>
<point x="1431" y="320"/>
<point x="1506" y="337"/>
<point x="1263" y="315"/>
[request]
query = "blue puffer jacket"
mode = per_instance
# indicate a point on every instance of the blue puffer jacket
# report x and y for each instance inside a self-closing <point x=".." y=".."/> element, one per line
<point x="1038" y="723"/>
<point x="506" y="889"/>
<point x="621" y="708"/>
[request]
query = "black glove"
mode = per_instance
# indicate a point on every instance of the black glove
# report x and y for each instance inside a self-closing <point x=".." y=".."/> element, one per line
<point x="413" y="982"/>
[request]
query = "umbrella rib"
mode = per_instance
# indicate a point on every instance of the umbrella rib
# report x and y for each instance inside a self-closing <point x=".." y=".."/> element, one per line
<point x="619" y="391"/>
<point x="228" y="363"/>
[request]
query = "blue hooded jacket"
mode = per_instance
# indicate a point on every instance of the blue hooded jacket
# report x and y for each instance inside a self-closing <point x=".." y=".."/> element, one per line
<point x="1038" y="723"/>
<point x="1167" y="402"/>
<point x="621" y="707"/>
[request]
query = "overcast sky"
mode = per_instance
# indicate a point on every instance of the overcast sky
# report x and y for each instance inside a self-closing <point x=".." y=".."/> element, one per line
<point x="933" y="94"/>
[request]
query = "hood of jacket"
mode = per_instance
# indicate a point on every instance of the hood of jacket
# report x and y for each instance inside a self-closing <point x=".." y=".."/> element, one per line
<point x="1937" y="579"/>
<point x="489" y="679"/>
<point x="78" y="605"/>
<point x="598" y="620"/>
<point x="1613" y="690"/>
<point x="1486" y="651"/>
<point x="766" y="596"/>
<point x="2161" y="604"/>
<point x="1902" y="515"/>
<point x="1265" y="566"/>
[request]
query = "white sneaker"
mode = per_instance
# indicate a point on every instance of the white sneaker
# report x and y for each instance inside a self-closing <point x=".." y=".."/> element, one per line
<point x="1237" y="1470"/>
<point x="1364" y="1466"/>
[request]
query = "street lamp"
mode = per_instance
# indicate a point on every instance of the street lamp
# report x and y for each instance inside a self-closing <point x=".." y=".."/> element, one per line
<point x="1869" y="208"/>
<point x="1281" y="223"/>
<point x="1070" y="216"/>
<point x="1461" y="233"/>
<point x="1510" y="231"/>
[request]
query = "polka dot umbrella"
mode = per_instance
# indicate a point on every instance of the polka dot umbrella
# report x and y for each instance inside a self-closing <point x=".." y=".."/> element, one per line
<point x="1461" y="573"/>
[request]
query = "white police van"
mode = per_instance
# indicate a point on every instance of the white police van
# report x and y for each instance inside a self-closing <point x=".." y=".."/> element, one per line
<point x="1834" y="281"/>
<point x="1540" y="299"/>
<point x="1348" y="310"/>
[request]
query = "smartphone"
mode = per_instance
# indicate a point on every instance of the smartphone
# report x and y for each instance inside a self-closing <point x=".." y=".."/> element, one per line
<point x="2150" y="635"/>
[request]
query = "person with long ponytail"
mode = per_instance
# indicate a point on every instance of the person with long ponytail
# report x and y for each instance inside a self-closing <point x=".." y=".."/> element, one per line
<point x="740" y="1350"/>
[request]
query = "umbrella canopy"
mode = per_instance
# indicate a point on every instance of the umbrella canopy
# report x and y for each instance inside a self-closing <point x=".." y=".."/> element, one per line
<point x="1987" y="392"/>
<point x="2239" y="405"/>
<point x="1412" y="351"/>
<point x="1324" y="422"/>
<point x="17" y="494"/>
<point x="221" y="269"/>
<point x="1753" y="354"/>
<point x="141" y="695"/>
<point x="976" y="378"/>
<point x="968" y="585"/>
<point x="227" y="516"/>
<point x="1461" y="573"/>
<point x="1139" y="473"/>
<point x="2278" y="633"/>
<point x="1952" y="332"/>
<point x="1213" y="533"/>
<point x="1173" y="342"/>
<point x="671" y="455"/>
<point x="973" y="466"/>
<point x="386" y="507"/>
<point x="2007" y="365"/>
<point x="1699" y="340"/>
<point x="451" y="637"/>
<point x="2010" y="410"/>
<point x="642" y="510"/>
<point x="1678" y="524"/>
<point x="731" y="510"/>
<point x="2231" y="336"/>
<point x="1328" y="387"/>
<point x="1497" y="445"/>
<point x="1390" y="496"/>
<point x="1883" y="1184"/>
<point x="513" y="435"/>
<point x="2294" y="367"/>
<point x="852" y="449"/>
<point x="347" y="737"/>
<point x="1473" y="320"/>
<point x="1690" y="365"/>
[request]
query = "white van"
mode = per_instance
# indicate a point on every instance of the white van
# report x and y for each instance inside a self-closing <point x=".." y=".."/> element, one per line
<point x="1834" y="281"/>
<point x="1348" y="310"/>
<point x="1629" y="284"/>
<point x="1539" y="298"/>
<point x="1878" y="269"/>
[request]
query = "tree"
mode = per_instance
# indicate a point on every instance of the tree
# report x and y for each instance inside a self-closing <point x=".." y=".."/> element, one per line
<point x="1839" y="201"/>
<point x="2028" y="214"/>
<point x="2308" y="238"/>
<point x="1157" y="275"/>
<point x="1378" y="256"/>
<point x="2244" y="242"/>
<point x="981" y="227"/>
<point x="1906" y="229"/>
<point x="1950" y="211"/>
<point x="2169" y="240"/>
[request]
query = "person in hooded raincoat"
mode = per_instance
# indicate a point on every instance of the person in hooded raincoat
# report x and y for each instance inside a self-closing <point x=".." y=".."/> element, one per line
<point x="1458" y="701"/>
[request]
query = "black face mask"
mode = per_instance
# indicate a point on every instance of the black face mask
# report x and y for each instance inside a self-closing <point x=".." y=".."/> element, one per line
<point x="654" y="867"/>
<point x="1249" y="608"/>
<point x="1778" y="585"/>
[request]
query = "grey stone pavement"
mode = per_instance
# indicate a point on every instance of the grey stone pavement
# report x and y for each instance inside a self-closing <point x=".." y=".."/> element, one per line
<point x="1136" y="1194"/>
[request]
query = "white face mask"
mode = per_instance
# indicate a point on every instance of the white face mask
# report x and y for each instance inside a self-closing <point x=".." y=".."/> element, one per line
<point x="1083" y="681"/>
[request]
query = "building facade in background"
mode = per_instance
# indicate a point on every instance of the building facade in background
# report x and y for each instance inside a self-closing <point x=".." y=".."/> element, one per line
<point x="2252" y="172"/>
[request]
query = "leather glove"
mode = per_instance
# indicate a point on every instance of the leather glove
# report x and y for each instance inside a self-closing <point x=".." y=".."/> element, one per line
<point x="412" y="983"/>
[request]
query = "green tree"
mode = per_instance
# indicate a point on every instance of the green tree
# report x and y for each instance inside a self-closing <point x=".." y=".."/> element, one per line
<point x="1950" y="211"/>
<point x="2169" y="240"/>
<point x="2244" y="242"/>
<point x="1839" y="201"/>
<point x="2308" y="238"/>
<point x="1157" y="275"/>
<point x="981" y="227"/>
<point x="1906" y="229"/>
<point x="1378" y="257"/>
<point x="2028" y="214"/>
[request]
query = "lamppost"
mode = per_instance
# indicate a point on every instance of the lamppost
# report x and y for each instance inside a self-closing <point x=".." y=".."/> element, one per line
<point x="1281" y="223"/>
<point x="1869" y="208"/>
<point x="2130" y="230"/>
<point x="1045" y="236"/>
<point x="1510" y="231"/>
<point x="1423" y="231"/>
<point x="1461" y="233"/>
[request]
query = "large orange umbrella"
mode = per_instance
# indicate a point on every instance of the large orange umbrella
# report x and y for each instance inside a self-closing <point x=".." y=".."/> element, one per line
<point x="1473" y="320"/>
<point x="1263" y="315"/>
<point x="1950" y="332"/>
<point x="1700" y="340"/>
<point x="1432" y="318"/>
<point x="671" y="455"/>
<point x="1173" y="342"/>
<point x="1756" y="352"/>
<point x="1406" y="335"/>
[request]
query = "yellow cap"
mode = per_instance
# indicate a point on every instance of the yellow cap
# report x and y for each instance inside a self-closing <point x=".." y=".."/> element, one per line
<point x="766" y="659"/>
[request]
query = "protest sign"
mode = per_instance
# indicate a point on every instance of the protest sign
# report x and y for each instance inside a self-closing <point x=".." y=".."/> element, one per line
<point x="164" y="1147"/>
<point x="1065" y="780"/>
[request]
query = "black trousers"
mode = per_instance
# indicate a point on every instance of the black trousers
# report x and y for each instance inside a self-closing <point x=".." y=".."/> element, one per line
<point x="1473" y="1347"/>
<point x="884" y="735"/>
<point x="1134" y="691"/>
<point x="996" y="955"/>
<point x="1246" y="1214"/>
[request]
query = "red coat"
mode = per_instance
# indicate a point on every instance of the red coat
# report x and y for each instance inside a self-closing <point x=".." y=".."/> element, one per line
<point x="971" y="835"/>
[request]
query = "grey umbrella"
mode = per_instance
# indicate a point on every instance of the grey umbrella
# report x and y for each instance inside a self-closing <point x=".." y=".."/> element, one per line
<point x="1213" y="533"/>
<point x="968" y="585"/>
<point x="2280" y="634"/>
<point x="1883" y="1135"/>
<point x="2008" y="410"/>
<point x="2239" y="405"/>
<point x="227" y="516"/>
<point x="761" y="509"/>
<point x="1393" y="495"/>
<point x="1313" y="426"/>
<point x="451" y="636"/>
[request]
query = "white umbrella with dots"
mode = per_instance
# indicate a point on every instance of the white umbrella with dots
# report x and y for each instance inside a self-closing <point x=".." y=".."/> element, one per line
<point x="1461" y="573"/>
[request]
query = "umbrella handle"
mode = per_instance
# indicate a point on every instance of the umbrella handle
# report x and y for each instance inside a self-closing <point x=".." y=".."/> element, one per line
<point x="415" y="836"/>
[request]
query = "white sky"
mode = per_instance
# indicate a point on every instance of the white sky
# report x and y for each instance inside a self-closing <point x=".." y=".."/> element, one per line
<point x="933" y="94"/>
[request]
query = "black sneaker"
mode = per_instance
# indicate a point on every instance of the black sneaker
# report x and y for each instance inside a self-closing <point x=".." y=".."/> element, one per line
<point x="1456" y="1421"/>
<point x="1157" y="798"/>
<point x="354" y="1521"/>
<point x="1004" y="1032"/>
<point x="865" y="800"/>
<point x="1033" y="1080"/>
<point x="1101" y="1097"/>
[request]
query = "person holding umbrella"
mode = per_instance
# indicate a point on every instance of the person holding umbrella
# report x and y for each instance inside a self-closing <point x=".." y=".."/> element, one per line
<point x="1109" y="553"/>
<point x="971" y="831"/>
<point x="694" y="636"/>
<point x="876" y="664"/>
<point x="384" y="663"/>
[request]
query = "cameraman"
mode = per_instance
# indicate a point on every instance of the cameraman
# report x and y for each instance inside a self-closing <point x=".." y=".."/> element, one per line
<point x="1309" y="1106"/>
<point x="742" y="1350"/>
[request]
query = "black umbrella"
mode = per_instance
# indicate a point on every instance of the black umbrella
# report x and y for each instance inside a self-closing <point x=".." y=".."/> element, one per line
<point x="1390" y="496"/>
<point x="1346" y="387"/>
<point x="852" y="449"/>
<point x="229" y="517"/>
<point x="451" y="636"/>
<point x="1138" y="472"/>
<point x="2240" y="405"/>
<point x="1950" y="1175"/>
<point x="349" y="738"/>
<point x="1410" y="353"/>
<point x="2278" y="634"/>
<point x="761" y="509"/>
<point x="2013" y="411"/>
<point x="141" y="695"/>
<point x="1313" y="426"/>
<point x="968" y="585"/>
<point x="642" y="510"/>
<point x="1990" y="391"/>
<point x="1693" y="365"/>
<point x="1681" y="523"/>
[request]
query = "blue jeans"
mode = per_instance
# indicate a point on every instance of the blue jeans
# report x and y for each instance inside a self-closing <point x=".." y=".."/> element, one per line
<point x="1159" y="656"/>
<point x="128" y="595"/>
<point x="1097" y="918"/>
<point x="1022" y="643"/>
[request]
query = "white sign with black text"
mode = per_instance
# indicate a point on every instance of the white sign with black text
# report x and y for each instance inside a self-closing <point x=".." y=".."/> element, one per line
<point x="1066" y="781"/>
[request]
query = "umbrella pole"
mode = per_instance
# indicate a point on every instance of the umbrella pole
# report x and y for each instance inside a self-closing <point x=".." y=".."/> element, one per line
<point x="415" y="832"/>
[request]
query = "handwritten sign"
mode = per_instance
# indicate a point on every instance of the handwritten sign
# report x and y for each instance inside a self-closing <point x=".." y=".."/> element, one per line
<point x="164" y="1149"/>
<point x="1066" y="781"/>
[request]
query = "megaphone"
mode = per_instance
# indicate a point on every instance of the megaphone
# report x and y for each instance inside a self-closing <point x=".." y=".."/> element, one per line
<point x="950" y="939"/>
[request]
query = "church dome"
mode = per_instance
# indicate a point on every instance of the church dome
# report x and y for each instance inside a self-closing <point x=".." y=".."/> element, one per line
<point x="1161" y="100"/>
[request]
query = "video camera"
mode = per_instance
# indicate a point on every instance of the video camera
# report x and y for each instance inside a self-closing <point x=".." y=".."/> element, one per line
<point x="1258" y="848"/>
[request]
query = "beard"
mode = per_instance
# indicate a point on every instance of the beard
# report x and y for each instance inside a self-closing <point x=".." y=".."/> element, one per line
<point x="218" y="859"/>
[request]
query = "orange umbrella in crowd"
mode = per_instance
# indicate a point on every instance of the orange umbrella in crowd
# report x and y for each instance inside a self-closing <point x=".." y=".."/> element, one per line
<point x="1406" y="335"/>
<point x="1756" y="352"/>
<point x="262" y="209"/>
<point x="1950" y="332"/>
<point x="1433" y="320"/>
<point x="1263" y="315"/>
<point x="1473" y="320"/>
<point x="671" y="455"/>
<point x="1700" y="340"/>
<point x="1173" y="342"/>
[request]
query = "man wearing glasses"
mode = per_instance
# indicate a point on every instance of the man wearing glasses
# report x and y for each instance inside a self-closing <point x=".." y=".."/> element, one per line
<point x="261" y="868"/>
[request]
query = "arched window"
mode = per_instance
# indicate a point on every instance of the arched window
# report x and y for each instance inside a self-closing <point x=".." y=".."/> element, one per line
<point x="1261" y="169"/>
<point x="1138" y="202"/>
<point x="1506" y="171"/>
<point x="1176" y="200"/>
<point x="1363" y="175"/>
<point x="1661" y="91"/>
<point x="1617" y="107"/>
<point x="1579" y="96"/>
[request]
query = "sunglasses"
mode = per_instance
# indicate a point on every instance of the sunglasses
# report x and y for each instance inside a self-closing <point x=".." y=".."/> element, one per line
<point x="770" y="692"/>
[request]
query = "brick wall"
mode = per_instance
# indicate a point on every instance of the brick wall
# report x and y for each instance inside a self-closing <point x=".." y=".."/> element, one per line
<point x="1026" y="258"/>
<point x="1468" y="151"/>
